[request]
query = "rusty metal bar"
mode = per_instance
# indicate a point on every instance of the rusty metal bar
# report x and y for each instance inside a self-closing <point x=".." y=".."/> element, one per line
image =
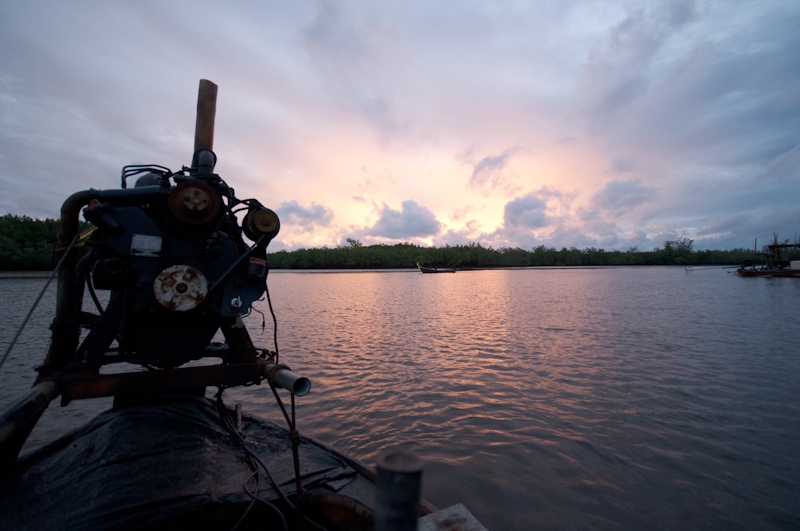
<point x="79" y="385"/>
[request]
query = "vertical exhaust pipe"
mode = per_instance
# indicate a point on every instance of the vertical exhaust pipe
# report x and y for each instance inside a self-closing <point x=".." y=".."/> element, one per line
<point x="204" y="159"/>
<point x="206" y="113"/>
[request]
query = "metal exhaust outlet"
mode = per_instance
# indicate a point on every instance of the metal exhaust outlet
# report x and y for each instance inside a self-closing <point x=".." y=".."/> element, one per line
<point x="281" y="376"/>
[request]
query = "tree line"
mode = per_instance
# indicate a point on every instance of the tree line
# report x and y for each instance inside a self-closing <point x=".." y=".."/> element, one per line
<point x="354" y="255"/>
<point x="26" y="245"/>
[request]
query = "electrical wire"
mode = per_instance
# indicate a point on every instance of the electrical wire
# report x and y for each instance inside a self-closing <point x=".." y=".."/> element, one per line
<point x="252" y="502"/>
<point x="256" y="498"/>
<point x="228" y="422"/>
<point x="254" y="495"/>
<point x="263" y="319"/>
<point x="90" y="285"/>
<point x="232" y="429"/>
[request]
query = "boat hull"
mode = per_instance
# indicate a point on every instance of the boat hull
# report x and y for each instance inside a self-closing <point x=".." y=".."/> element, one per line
<point x="768" y="272"/>
<point x="437" y="269"/>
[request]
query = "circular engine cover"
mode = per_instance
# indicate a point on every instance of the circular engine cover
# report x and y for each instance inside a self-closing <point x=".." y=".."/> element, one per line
<point x="180" y="288"/>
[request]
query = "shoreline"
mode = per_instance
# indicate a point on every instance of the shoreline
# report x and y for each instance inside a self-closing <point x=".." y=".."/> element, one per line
<point x="25" y="274"/>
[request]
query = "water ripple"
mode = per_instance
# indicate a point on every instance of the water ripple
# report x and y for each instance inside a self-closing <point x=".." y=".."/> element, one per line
<point x="549" y="399"/>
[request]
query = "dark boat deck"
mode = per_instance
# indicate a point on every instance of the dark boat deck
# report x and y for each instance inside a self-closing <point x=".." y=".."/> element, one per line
<point x="167" y="463"/>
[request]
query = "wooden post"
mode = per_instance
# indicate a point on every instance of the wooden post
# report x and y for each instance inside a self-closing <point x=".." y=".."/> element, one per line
<point x="399" y="483"/>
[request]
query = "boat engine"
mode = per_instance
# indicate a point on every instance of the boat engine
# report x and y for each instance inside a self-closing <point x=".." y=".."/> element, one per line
<point x="171" y="253"/>
<point x="175" y="262"/>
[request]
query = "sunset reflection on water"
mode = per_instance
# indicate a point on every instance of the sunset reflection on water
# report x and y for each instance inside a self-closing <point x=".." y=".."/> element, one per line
<point x="622" y="397"/>
<point x="564" y="397"/>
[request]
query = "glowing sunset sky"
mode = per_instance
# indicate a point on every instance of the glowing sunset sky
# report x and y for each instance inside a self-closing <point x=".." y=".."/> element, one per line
<point x="564" y="123"/>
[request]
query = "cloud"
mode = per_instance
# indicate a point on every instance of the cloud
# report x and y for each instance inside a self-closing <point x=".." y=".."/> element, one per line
<point x="412" y="221"/>
<point x="315" y="214"/>
<point x="622" y="165"/>
<point x="525" y="212"/>
<point x="725" y="224"/>
<point x="621" y="93"/>
<point x="620" y="70"/>
<point x="786" y="166"/>
<point x="714" y="86"/>
<point x="471" y="233"/>
<point x="360" y="59"/>
<point x="489" y="170"/>
<point x="620" y="197"/>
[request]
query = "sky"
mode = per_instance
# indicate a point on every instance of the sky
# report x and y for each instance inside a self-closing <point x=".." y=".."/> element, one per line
<point x="563" y="123"/>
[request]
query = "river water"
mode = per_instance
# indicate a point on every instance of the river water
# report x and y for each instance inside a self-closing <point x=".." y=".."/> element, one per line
<point x="609" y="398"/>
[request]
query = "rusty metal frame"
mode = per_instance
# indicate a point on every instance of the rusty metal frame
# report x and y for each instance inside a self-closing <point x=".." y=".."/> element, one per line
<point x="76" y="385"/>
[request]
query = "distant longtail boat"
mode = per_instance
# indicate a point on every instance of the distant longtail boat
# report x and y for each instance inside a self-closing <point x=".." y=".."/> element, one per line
<point x="435" y="269"/>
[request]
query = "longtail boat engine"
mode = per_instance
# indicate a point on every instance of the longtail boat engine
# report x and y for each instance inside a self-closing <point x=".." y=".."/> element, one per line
<point x="171" y="254"/>
<point x="176" y="265"/>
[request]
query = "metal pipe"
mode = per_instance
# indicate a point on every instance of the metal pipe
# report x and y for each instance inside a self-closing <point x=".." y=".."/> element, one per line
<point x="398" y="498"/>
<point x="68" y="227"/>
<point x="131" y="196"/>
<point x="281" y="376"/>
<point x="66" y="324"/>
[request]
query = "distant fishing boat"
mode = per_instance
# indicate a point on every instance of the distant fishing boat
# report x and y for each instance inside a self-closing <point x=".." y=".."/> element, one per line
<point x="435" y="269"/>
<point x="774" y="264"/>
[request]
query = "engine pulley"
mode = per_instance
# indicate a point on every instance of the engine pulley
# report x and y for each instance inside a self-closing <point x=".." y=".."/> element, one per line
<point x="261" y="221"/>
<point x="194" y="202"/>
<point x="180" y="288"/>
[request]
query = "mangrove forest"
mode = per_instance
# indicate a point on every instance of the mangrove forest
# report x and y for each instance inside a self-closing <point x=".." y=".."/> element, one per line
<point x="26" y="245"/>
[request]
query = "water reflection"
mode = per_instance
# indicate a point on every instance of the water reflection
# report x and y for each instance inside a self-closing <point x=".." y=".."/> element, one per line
<point x="574" y="397"/>
<point x="553" y="398"/>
